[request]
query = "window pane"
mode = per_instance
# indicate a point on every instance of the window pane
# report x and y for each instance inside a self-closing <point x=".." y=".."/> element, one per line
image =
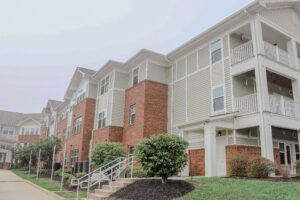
<point x="282" y="160"/>
<point x="216" y="56"/>
<point x="297" y="148"/>
<point x="219" y="103"/>
<point x="218" y="92"/>
<point x="216" y="45"/>
<point x="281" y="147"/>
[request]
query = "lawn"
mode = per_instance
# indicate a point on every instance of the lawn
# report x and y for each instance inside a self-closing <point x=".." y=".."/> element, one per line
<point x="237" y="189"/>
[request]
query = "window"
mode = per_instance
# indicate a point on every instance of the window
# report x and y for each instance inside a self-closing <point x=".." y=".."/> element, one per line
<point x="135" y="79"/>
<point x="297" y="151"/>
<point x="104" y="85"/>
<point x="32" y="131"/>
<point x="216" y="53"/>
<point x="23" y="131"/>
<point x="8" y="130"/>
<point x="37" y="131"/>
<point x="77" y="125"/>
<point x="26" y="131"/>
<point x="102" y="119"/>
<point x="218" y="98"/>
<point x="74" y="156"/>
<point x="282" y="154"/>
<point x="66" y="133"/>
<point x="132" y="114"/>
<point x="81" y="94"/>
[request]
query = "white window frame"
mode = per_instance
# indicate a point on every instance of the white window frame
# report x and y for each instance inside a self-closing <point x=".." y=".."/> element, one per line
<point x="102" y="117"/>
<point x="9" y="130"/>
<point x="74" y="156"/>
<point x="132" y="119"/>
<point x="137" y="75"/>
<point x="77" y="125"/>
<point x="213" y="98"/>
<point x="104" y="85"/>
<point x="215" y="50"/>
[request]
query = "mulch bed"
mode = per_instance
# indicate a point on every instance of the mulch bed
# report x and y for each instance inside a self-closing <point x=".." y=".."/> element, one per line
<point x="272" y="179"/>
<point x="153" y="189"/>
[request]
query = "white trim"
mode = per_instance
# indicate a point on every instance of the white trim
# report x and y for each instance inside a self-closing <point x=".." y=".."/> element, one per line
<point x="112" y="97"/>
<point x="182" y="78"/>
<point x="147" y="62"/>
<point x="186" y="92"/>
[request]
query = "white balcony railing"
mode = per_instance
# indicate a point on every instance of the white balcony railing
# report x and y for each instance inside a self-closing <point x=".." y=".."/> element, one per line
<point x="246" y="104"/>
<point x="242" y="52"/>
<point x="275" y="53"/>
<point x="282" y="105"/>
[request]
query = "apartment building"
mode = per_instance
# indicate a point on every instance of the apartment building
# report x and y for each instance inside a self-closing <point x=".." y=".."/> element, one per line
<point x="16" y="129"/>
<point x="232" y="90"/>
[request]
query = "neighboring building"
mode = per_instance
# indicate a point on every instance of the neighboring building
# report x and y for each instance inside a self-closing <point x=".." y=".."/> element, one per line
<point x="16" y="129"/>
<point x="232" y="90"/>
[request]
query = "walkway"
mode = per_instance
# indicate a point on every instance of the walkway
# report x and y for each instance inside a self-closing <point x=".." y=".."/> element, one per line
<point x="13" y="187"/>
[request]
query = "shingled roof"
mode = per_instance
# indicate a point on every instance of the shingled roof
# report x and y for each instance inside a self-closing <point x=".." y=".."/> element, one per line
<point x="13" y="118"/>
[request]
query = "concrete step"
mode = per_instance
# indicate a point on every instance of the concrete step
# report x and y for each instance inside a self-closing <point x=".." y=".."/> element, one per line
<point x="103" y="192"/>
<point x="114" y="188"/>
<point x="122" y="184"/>
<point x="94" y="196"/>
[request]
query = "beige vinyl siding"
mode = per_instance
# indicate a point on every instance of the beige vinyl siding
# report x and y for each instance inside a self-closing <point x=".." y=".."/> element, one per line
<point x="108" y="119"/>
<point x="228" y="87"/>
<point x="111" y="78"/>
<point x="287" y="18"/>
<point x="225" y="46"/>
<point x="169" y="74"/>
<point x="195" y="139"/>
<point x="217" y="74"/>
<point x="203" y="57"/>
<point x="157" y="73"/>
<point x="192" y="63"/>
<point x="246" y="141"/>
<point x="121" y="80"/>
<point x="129" y="79"/>
<point x="174" y="72"/>
<point x="181" y="68"/>
<point x="199" y="95"/>
<point x="179" y="103"/>
<point x="118" y="108"/>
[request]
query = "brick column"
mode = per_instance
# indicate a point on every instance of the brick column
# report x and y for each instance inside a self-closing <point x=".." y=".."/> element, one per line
<point x="210" y="150"/>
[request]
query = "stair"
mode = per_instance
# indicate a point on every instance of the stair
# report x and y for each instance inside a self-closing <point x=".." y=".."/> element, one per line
<point x="101" y="194"/>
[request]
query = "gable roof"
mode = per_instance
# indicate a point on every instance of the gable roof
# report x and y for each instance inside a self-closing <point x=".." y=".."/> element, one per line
<point x="108" y="67"/>
<point x="14" y="118"/>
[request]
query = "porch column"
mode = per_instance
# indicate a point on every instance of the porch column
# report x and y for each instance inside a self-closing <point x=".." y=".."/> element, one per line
<point x="292" y="51"/>
<point x="298" y="137"/>
<point x="210" y="150"/>
<point x="296" y="94"/>
<point x="266" y="142"/>
<point x="262" y="87"/>
<point x="257" y="36"/>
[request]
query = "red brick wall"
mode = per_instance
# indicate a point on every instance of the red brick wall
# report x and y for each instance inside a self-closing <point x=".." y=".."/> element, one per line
<point x="27" y="138"/>
<point x="247" y="151"/>
<point x="44" y="132"/>
<point x="61" y="127"/>
<point x="197" y="162"/>
<point x="151" y="100"/>
<point x="4" y="165"/>
<point x="108" y="134"/>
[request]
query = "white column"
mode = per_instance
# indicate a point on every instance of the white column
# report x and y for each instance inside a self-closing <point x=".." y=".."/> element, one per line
<point x="257" y="37"/>
<point x="292" y="51"/>
<point x="266" y="142"/>
<point x="210" y="150"/>
<point x="299" y="137"/>
<point x="296" y="94"/>
<point x="262" y="87"/>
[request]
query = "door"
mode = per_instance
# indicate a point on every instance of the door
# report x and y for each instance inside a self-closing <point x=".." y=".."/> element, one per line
<point x="288" y="154"/>
<point x="221" y="156"/>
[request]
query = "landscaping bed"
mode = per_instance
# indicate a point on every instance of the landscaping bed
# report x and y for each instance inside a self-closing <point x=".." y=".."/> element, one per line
<point x="153" y="189"/>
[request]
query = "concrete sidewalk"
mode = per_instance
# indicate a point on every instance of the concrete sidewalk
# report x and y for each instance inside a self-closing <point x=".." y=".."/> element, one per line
<point x="13" y="187"/>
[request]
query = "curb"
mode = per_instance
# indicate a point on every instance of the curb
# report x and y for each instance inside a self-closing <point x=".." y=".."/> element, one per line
<point x="45" y="191"/>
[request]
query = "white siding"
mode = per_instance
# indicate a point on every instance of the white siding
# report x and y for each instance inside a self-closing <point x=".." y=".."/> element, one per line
<point x="228" y="87"/>
<point x="118" y="108"/>
<point x="157" y="73"/>
<point x="179" y="103"/>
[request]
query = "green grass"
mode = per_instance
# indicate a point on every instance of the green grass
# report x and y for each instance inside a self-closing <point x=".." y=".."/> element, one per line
<point x="69" y="195"/>
<point x="238" y="189"/>
<point x="42" y="182"/>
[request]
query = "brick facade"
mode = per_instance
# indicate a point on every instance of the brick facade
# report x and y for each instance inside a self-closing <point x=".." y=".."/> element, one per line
<point x="151" y="100"/>
<point x="27" y="138"/>
<point x="44" y="132"/>
<point x="197" y="162"/>
<point x="108" y="134"/>
<point x="247" y="151"/>
<point x="61" y="127"/>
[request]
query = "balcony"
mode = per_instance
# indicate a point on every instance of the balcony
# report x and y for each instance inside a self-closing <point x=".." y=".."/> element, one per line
<point x="246" y="104"/>
<point x="275" y="53"/>
<point x="242" y="53"/>
<point x="282" y="105"/>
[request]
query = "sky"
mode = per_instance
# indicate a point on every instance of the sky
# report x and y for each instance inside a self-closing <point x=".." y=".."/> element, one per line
<point x="42" y="42"/>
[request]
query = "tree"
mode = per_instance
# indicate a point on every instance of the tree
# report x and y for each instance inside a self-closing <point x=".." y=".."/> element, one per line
<point x="163" y="155"/>
<point x="106" y="152"/>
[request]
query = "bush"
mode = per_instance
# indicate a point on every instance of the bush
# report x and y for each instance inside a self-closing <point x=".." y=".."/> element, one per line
<point x="68" y="178"/>
<point x="80" y="174"/>
<point x="282" y="170"/>
<point x="106" y="152"/>
<point x="238" y="166"/>
<point x="43" y="171"/>
<point x="164" y="155"/>
<point x="138" y="172"/>
<point x="297" y="165"/>
<point x="58" y="172"/>
<point x="259" y="167"/>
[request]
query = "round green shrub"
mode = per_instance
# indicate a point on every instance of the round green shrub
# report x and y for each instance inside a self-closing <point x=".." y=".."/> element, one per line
<point x="59" y="171"/>
<point x="138" y="172"/>
<point x="164" y="155"/>
<point x="106" y="152"/>
<point x="80" y="174"/>
<point x="43" y="171"/>
<point x="238" y="166"/>
<point x="259" y="167"/>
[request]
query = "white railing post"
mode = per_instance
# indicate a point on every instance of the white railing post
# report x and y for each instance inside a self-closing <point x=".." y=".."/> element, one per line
<point x="282" y="105"/>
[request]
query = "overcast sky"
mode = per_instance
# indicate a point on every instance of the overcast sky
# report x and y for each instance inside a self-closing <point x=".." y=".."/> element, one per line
<point x="42" y="42"/>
